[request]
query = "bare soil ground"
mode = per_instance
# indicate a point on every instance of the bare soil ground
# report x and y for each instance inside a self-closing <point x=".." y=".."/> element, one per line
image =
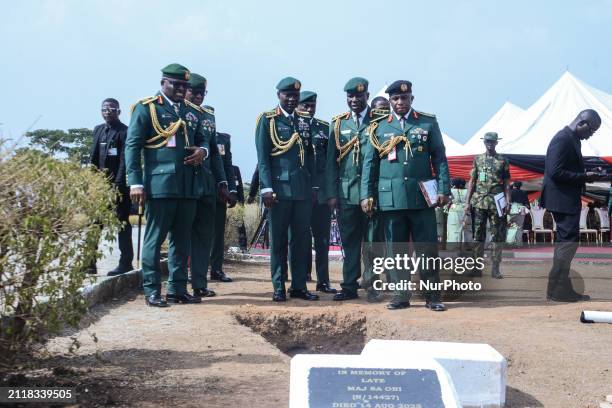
<point x="234" y="349"/>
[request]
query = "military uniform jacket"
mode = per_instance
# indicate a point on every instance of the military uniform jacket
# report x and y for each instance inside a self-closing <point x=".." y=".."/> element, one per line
<point x="345" y="156"/>
<point x="396" y="160"/>
<point x="319" y="131"/>
<point x="212" y="169"/>
<point x="284" y="154"/>
<point x="224" y="147"/>
<point x="164" y="175"/>
<point x="488" y="176"/>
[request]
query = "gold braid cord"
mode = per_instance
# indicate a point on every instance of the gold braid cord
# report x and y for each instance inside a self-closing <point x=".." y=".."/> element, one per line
<point x="162" y="133"/>
<point x="387" y="146"/>
<point x="346" y="148"/>
<point x="282" y="147"/>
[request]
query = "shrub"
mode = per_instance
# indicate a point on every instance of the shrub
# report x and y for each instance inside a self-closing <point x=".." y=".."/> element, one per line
<point x="50" y="212"/>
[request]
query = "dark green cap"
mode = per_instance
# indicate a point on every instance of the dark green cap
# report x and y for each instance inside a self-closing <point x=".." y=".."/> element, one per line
<point x="491" y="136"/>
<point x="289" y="84"/>
<point x="356" y="85"/>
<point x="308" y="96"/>
<point x="197" y="81"/>
<point x="176" y="71"/>
<point x="399" y="87"/>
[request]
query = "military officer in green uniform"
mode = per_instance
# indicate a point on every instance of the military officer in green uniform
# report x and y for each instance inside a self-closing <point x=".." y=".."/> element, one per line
<point x="212" y="175"/>
<point x="490" y="176"/>
<point x="285" y="160"/>
<point x="174" y="143"/>
<point x="405" y="146"/>
<point x="320" y="221"/>
<point x="225" y="199"/>
<point x="345" y="155"/>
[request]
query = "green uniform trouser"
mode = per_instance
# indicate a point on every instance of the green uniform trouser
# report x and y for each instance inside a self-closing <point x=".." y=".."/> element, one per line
<point x="498" y="233"/>
<point x="420" y="225"/>
<point x="174" y="216"/>
<point x="320" y="225"/>
<point x="202" y="235"/>
<point x="285" y="216"/>
<point x="373" y="246"/>
<point x="353" y="224"/>
<point x="216" y="254"/>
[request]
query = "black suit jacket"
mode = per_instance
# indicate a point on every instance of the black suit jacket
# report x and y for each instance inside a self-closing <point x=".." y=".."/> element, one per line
<point x="564" y="174"/>
<point x="114" y="165"/>
<point x="239" y="186"/>
<point x="254" y="188"/>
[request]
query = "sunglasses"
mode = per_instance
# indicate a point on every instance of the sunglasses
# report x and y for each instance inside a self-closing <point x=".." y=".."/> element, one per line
<point x="110" y="110"/>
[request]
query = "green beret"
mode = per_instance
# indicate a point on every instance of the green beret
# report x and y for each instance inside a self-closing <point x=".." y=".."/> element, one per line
<point x="491" y="136"/>
<point x="196" y="81"/>
<point x="289" y="84"/>
<point x="308" y="96"/>
<point x="356" y="85"/>
<point x="399" y="87"/>
<point x="176" y="71"/>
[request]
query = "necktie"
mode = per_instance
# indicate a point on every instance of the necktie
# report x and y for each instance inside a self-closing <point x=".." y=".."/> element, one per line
<point x="357" y="115"/>
<point x="402" y="122"/>
<point x="176" y="108"/>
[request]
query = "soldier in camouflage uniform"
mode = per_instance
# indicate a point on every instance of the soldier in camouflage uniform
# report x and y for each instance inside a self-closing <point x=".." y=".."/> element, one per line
<point x="490" y="175"/>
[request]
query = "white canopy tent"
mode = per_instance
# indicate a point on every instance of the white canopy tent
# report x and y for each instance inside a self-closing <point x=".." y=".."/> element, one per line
<point x="532" y="131"/>
<point x="499" y="122"/>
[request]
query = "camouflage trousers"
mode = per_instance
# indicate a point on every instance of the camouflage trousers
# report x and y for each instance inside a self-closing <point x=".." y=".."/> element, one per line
<point x="498" y="233"/>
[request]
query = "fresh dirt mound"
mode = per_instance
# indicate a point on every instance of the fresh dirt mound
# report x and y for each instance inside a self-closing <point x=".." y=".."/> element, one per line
<point x="319" y="333"/>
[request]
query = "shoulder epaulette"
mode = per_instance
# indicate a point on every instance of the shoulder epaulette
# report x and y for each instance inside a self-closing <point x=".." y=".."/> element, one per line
<point x="194" y="106"/>
<point x="146" y="101"/>
<point x="322" y="122"/>
<point x="379" y="117"/>
<point x="344" y="115"/>
<point x="431" y="115"/>
<point x="379" y="112"/>
<point x="268" y="114"/>
<point x="209" y="109"/>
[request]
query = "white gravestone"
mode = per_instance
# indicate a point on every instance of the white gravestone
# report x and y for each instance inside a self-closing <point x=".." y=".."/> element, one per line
<point x="478" y="371"/>
<point x="349" y="381"/>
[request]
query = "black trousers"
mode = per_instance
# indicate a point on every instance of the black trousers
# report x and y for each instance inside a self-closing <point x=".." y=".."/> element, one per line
<point x="124" y="237"/>
<point x="568" y="227"/>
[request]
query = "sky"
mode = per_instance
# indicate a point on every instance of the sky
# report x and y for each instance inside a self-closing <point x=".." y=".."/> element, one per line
<point x="61" y="58"/>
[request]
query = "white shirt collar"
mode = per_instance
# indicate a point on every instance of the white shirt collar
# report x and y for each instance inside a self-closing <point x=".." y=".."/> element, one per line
<point x="406" y="116"/>
<point x="362" y="114"/>
<point x="285" y="113"/>
<point x="168" y="99"/>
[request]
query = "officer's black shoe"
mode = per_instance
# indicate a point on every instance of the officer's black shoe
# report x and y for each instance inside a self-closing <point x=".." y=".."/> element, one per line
<point x="344" y="295"/>
<point x="568" y="298"/>
<point x="184" y="298"/>
<point x="374" y="296"/>
<point x="303" y="294"/>
<point x="435" y="305"/>
<point x="155" y="300"/>
<point x="279" y="296"/>
<point x="396" y="305"/>
<point x="220" y="276"/>
<point x="204" y="292"/>
<point x="119" y="270"/>
<point x="325" y="288"/>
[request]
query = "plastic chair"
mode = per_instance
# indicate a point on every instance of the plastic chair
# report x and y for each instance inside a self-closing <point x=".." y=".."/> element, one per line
<point x="537" y="224"/>
<point x="604" y="223"/>
<point x="584" y="229"/>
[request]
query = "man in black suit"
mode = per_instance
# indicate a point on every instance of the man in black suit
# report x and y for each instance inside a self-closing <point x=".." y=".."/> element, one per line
<point x="564" y="183"/>
<point x="107" y="154"/>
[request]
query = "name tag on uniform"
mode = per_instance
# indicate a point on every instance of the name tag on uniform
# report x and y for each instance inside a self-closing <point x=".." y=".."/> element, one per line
<point x="221" y="148"/>
<point x="346" y="131"/>
<point x="112" y="151"/>
<point x="392" y="155"/>
<point x="482" y="176"/>
<point x="171" y="141"/>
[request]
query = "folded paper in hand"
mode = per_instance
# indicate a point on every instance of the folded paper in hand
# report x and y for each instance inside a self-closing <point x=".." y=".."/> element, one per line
<point x="500" y="203"/>
<point x="429" y="188"/>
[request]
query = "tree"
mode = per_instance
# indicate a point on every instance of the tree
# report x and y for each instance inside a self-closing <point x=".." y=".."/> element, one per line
<point x="73" y="144"/>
